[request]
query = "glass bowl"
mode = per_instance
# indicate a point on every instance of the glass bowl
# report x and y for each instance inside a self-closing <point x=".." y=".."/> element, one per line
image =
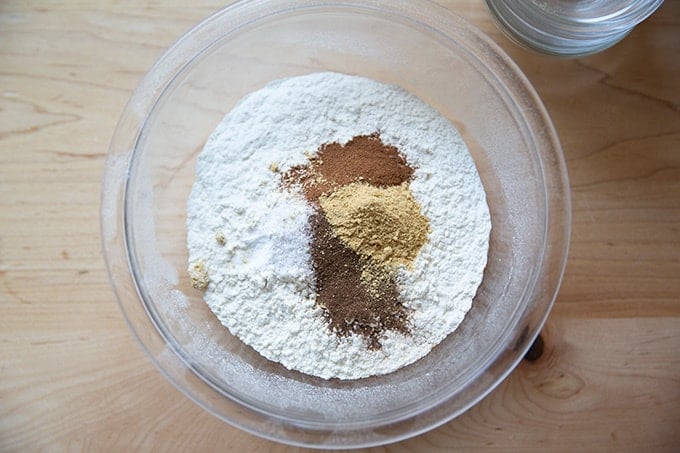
<point x="414" y="44"/>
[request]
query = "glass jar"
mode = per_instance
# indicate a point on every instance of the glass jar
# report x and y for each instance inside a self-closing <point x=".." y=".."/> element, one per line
<point x="570" y="28"/>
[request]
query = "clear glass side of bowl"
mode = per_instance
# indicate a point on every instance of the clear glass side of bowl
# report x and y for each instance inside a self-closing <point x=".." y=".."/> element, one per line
<point x="150" y="172"/>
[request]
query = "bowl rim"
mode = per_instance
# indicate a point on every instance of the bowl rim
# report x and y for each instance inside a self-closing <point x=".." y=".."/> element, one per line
<point x="202" y="36"/>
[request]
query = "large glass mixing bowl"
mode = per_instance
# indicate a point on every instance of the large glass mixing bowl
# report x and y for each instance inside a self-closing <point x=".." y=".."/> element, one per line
<point x="414" y="44"/>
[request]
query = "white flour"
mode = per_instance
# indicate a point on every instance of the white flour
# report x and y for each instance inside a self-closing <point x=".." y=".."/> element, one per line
<point x="261" y="281"/>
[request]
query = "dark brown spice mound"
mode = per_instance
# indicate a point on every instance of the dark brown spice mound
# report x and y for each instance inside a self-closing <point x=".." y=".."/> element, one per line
<point x="349" y="306"/>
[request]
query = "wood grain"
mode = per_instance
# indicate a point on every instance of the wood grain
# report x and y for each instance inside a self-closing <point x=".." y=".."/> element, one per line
<point x="72" y="378"/>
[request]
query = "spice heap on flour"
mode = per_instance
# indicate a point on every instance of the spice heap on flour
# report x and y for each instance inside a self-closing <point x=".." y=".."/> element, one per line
<point x="337" y="225"/>
<point x="366" y="224"/>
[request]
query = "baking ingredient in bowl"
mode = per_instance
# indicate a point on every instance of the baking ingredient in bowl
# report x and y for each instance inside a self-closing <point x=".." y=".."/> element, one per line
<point x="382" y="224"/>
<point x="363" y="158"/>
<point x="350" y="304"/>
<point x="366" y="217"/>
<point x="264" y="280"/>
<point x="198" y="275"/>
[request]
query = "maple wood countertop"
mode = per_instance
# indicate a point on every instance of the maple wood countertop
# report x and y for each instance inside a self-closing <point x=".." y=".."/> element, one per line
<point x="72" y="377"/>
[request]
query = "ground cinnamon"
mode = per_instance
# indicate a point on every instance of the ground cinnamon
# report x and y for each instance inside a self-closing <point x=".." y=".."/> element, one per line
<point x="363" y="159"/>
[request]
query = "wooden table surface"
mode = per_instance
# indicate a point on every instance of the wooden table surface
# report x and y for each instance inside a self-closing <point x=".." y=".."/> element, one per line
<point x="73" y="378"/>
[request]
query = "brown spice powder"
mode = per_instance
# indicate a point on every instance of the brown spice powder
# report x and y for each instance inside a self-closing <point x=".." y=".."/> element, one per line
<point x="349" y="305"/>
<point x="364" y="158"/>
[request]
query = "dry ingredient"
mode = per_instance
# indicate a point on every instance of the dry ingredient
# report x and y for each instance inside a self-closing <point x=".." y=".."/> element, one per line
<point x="198" y="275"/>
<point x="363" y="158"/>
<point x="382" y="224"/>
<point x="349" y="305"/>
<point x="266" y="280"/>
<point x="360" y="232"/>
